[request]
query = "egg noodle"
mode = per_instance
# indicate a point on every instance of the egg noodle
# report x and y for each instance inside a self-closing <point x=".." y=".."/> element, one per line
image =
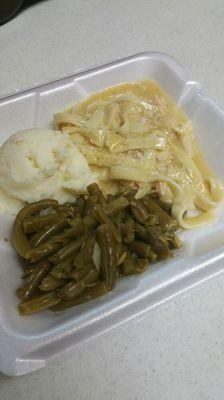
<point x="134" y="134"/>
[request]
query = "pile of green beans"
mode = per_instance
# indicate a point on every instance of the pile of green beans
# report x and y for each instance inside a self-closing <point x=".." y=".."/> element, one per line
<point x="59" y="244"/>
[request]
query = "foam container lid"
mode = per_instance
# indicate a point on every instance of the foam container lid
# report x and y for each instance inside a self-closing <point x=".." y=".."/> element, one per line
<point x="29" y="343"/>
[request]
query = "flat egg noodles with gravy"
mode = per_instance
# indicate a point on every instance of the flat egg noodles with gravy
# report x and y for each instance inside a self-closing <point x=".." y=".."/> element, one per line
<point x="135" y="135"/>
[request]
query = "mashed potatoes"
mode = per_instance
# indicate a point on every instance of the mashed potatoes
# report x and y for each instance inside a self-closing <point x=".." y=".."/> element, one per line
<point x="40" y="163"/>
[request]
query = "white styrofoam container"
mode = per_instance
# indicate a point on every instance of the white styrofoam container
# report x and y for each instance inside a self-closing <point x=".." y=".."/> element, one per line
<point x="29" y="343"/>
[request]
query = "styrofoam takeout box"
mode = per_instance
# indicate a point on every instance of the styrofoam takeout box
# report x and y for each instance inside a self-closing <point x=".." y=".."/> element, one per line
<point x="29" y="343"/>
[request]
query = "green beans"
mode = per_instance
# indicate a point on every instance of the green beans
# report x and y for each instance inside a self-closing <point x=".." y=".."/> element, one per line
<point x="67" y="250"/>
<point x="41" y="237"/>
<point x="90" y="201"/>
<point x="39" y="304"/>
<point x="100" y="215"/>
<point x="85" y="254"/>
<point x="90" y="222"/>
<point x="69" y="209"/>
<point x="116" y="205"/>
<point x="159" y="244"/>
<point x="165" y="206"/>
<point x="132" y="266"/>
<point x="28" y="271"/>
<point x="80" y="205"/>
<point x="33" y="224"/>
<point x="141" y="265"/>
<point x="174" y="241"/>
<point x="165" y="220"/>
<point x="42" y="251"/>
<point x="119" y="218"/>
<point x="49" y="283"/>
<point x="75" y="252"/>
<point x="128" y="230"/>
<point x="139" y="211"/>
<point x="108" y="262"/>
<point x="78" y="228"/>
<point x="79" y="274"/>
<point x="151" y="220"/>
<point x="63" y="269"/>
<point x="91" y="276"/>
<point x="95" y="192"/>
<point x="19" y="238"/>
<point x="154" y="237"/>
<point x="89" y="294"/>
<point x="33" y="280"/>
<point x="142" y="250"/>
<point x="73" y="288"/>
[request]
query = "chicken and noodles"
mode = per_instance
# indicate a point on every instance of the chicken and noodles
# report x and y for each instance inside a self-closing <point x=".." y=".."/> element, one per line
<point x="134" y="134"/>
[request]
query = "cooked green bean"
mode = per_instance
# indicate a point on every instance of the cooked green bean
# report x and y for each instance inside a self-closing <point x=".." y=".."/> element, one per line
<point x="142" y="250"/>
<point x="128" y="230"/>
<point x="79" y="274"/>
<point x="154" y="237"/>
<point x="80" y="205"/>
<point x="92" y="276"/>
<point x="132" y="266"/>
<point x="89" y="294"/>
<point x="129" y="193"/>
<point x="93" y="189"/>
<point x="159" y="244"/>
<point x="49" y="283"/>
<point x="67" y="250"/>
<point x="33" y="280"/>
<point x="78" y="226"/>
<point x="120" y="250"/>
<point x="85" y="254"/>
<point x="116" y="205"/>
<point x="69" y="209"/>
<point x="28" y="271"/>
<point x="167" y="222"/>
<point x="108" y="255"/>
<point x="151" y="220"/>
<point x="174" y="241"/>
<point x="95" y="192"/>
<point x="118" y="218"/>
<point x="142" y="233"/>
<point x="165" y="206"/>
<point x="36" y="223"/>
<point x="90" y="201"/>
<point x="110" y="197"/>
<point x="100" y="215"/>
<point x="141" y="265"/>
<point x="63" y="269"/>
<point x="25" y="264"/>
<point x="42" y="251"/>
<point x="41" y="237"/>
<point x="73" y="288"/>
<point x="139" y="211"/>
<point x="90" y="222"/>
<point x="19" y="238"/>
<point x="121" y="258"/>
<point x="78" y="229"/>
<point x="39" y="304"/>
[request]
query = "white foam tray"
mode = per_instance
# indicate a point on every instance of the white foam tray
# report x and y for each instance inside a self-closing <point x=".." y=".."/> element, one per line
<point x="29" y="343"/>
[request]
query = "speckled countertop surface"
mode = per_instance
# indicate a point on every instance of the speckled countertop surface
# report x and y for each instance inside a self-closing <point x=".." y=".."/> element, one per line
<point x="177" y="351"/>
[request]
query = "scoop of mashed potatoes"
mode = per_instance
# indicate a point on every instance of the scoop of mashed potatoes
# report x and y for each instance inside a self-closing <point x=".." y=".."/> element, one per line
<point x="40" y="163"/>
